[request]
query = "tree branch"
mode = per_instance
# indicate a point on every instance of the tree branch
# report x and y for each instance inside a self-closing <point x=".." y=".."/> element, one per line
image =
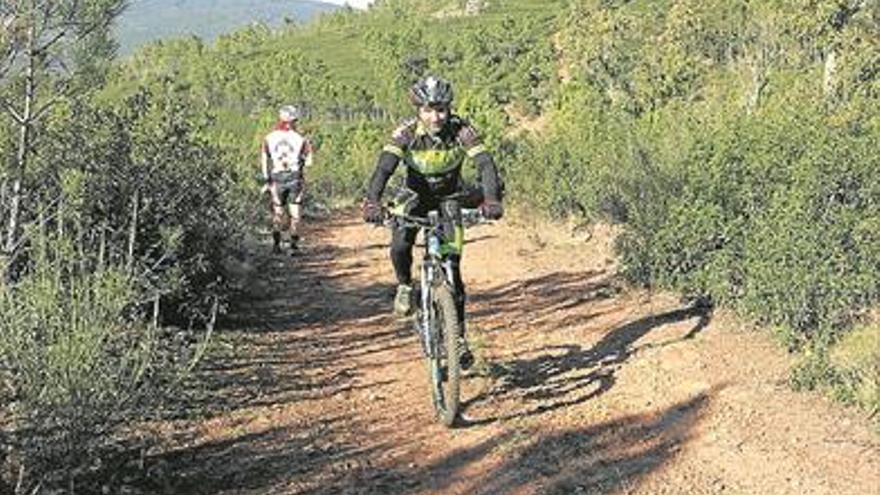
<point x="46" y="106"/>
<point x="15" y="250"/>
<point x="45" y="47"/>
<point x="11" y="110"/>
<point x="9" y="57"/>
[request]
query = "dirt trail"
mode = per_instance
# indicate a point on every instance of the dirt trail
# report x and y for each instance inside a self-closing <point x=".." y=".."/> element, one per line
<point x="581" y="387"/>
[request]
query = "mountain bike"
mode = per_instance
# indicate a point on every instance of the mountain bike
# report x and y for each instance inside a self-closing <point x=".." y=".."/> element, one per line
<point x="437" y="322"/>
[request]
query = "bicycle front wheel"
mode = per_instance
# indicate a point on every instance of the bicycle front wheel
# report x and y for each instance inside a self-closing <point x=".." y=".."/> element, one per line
<point x="444" y="365"/>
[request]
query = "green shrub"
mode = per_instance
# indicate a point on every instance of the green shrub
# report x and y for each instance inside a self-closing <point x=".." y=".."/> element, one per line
<point x="75" y="365"/>
<point x="128" y="213"/>
<point x="847" y="368"/>
<point x="857" y="357"/>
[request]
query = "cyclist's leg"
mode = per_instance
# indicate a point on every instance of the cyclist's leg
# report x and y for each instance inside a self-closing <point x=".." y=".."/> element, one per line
<point x="277" y="201"/>
<point x="466" y="357"/>
<point x="453" y="232"/>
<point x="402" y="241"/>
<point x="294" y="213"/>
<point x="460" y="295"/>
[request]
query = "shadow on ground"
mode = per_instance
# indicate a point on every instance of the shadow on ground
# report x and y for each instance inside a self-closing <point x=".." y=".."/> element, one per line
<point x="296" y="458"/>
<point x="563" y="376"/>
<point x="292" y="335"/>
<point x="609" y="457"/>
<point x="560" y="376"/>
<point x="543" y="300"/>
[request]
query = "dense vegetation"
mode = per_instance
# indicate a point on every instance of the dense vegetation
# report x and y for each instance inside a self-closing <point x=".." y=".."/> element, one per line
<point x="117" y="217"/>
<point x="734" y="141"/>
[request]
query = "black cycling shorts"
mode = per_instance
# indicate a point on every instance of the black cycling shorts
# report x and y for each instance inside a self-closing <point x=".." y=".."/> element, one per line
<point x="289" y="186"/>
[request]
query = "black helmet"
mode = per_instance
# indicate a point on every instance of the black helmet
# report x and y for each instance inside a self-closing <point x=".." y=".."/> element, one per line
<point x="431" y="91"/>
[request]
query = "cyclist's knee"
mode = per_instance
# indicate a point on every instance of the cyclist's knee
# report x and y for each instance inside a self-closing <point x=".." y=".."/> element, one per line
<point x="295" y="212"/>
<point x="401" y="248"/>
<point x="403" y="238"/>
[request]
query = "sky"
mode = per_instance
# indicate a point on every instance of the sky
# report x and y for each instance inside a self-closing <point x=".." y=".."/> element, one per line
<point x="358" y="4"/>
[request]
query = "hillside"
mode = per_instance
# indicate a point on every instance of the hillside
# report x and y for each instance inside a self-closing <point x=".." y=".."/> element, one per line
<point x="149" y="20"/>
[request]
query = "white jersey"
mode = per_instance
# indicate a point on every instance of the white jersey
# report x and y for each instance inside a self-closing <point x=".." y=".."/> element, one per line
<point x="286" y="150"/>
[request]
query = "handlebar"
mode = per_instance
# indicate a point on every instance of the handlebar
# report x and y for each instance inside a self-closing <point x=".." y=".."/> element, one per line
<point x="469" y="218"/>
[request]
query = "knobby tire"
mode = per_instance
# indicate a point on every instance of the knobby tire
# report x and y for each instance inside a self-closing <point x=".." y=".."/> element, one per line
<point x="445" y="368"/>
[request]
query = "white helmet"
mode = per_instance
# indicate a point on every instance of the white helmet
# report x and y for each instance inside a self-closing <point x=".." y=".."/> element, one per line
<point x="288" y="113"/>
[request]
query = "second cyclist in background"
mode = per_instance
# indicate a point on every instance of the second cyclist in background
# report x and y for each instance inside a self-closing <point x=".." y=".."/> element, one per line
<point x="284" y="154"/>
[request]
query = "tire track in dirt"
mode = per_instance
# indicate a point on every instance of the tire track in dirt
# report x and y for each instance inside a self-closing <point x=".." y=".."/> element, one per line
<point x="582" y="386"/>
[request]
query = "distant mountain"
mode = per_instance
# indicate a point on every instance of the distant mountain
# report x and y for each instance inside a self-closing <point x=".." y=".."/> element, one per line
<point x="149" y="20"/>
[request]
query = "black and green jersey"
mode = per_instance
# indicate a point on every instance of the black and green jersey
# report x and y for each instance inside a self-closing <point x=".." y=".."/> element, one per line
<point x="433" y="161"/>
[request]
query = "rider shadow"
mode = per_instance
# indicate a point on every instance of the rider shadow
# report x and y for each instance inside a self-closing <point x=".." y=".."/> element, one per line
<point x="609" y="457"/>
<point x="566" y="375"/>
<point x="547" y="297"/>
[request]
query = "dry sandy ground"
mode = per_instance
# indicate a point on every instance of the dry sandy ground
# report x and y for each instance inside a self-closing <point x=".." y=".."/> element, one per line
<point x="582" y="386"/>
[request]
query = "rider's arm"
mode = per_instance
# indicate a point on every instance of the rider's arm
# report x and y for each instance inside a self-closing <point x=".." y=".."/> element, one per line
<point x="385" y="168"/>
<point x="489" y="178"/>
<point x="306" y="153"/>
<point x="391" y="155"/>
<point x="264" y="161"/>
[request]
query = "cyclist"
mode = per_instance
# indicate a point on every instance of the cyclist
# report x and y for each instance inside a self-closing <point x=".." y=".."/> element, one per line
<point x="283" y="156"/>
<point x="433" y="147"/>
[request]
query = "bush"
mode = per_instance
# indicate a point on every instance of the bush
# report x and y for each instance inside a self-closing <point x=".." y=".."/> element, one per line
<point x="848" y="368"/>
<point x="129" y="213"/>
<point x="75" y="367"/>
<point x="345" y="160"/>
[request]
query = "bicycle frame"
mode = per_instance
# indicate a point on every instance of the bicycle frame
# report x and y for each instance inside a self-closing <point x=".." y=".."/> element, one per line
<point x="433" y="263"/>
<point x="438" y="320"/>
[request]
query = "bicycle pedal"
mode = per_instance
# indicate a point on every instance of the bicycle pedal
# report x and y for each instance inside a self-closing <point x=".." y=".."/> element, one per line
<point x="403" y="317"/>
<point x="466" y="359"/>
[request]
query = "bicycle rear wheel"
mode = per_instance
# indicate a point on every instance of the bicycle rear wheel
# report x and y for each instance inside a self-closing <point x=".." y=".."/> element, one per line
<point x="444" y="367"/>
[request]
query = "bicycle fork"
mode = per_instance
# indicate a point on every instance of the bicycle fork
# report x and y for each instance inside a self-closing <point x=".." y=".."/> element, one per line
<point x="429" y="345"/>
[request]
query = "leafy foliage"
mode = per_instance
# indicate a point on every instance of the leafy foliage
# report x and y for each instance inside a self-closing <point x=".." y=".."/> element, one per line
<point x="734" y="142"/>
<point x="351" y="70"/>
<point x="128" y="216"/>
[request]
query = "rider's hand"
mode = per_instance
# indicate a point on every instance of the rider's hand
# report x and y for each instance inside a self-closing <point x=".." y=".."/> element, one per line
<point x="264" y="189"/>
<point x="372" y="212"/>
<point x="492" y="210"/>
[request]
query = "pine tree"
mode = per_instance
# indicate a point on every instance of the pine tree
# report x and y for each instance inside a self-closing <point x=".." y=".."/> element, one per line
<point x="43" y="46"/>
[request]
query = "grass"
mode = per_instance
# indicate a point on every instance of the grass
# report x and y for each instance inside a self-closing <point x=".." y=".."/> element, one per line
<point x="856" y="361"/>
